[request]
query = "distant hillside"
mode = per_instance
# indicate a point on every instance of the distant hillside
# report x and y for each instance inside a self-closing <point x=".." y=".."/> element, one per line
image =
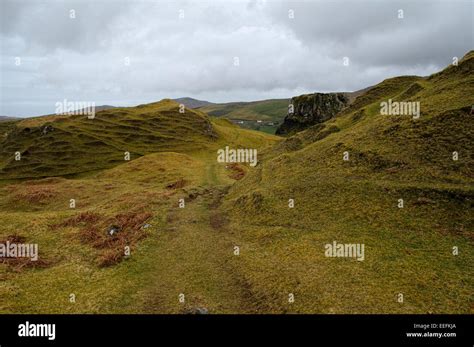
<point x="192" y="103"/>
<point x="7" y="118"/>
<point x="270" y="110"/>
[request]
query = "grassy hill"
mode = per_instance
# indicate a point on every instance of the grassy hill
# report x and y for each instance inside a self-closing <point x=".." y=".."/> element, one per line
<point x="63" y="145"/>
<point x="409" y="249"/>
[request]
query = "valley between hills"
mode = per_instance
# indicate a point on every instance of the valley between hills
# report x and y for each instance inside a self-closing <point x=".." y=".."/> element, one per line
<point x="197" y="236"/>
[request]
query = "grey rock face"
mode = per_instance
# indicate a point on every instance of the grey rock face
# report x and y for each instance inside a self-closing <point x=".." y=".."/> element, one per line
<point x="310" y="109"/>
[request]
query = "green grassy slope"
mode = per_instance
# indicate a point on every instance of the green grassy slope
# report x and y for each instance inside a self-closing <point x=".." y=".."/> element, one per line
<point x="408" y="250"/>
<point x="76" y="144"/>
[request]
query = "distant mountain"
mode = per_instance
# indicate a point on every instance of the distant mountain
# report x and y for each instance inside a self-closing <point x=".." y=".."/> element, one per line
<point x="6" y="118"/>
<point x="192" y="103"/>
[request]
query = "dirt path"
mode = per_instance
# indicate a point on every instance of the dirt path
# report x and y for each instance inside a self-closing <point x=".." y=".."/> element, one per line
<point x="197" y="259"/>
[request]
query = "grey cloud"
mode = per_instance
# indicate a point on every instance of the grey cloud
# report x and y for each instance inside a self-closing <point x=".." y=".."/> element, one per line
<point x="47" y="25"/>
<point x="370" y="32"/>
<point x="83" y="59"/>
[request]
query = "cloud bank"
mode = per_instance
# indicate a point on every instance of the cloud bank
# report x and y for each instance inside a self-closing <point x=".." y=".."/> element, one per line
<point x="125" y="53"/>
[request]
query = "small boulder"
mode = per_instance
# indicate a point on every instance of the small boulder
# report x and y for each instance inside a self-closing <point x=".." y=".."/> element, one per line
<point x="112" y="230"/>
<point x="47" y="129"/>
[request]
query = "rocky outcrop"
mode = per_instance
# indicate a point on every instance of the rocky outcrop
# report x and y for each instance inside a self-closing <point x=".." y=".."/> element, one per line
<point x="310" y="109"/>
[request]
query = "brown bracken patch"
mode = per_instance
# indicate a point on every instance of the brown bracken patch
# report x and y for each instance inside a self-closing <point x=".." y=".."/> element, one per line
<point x="35" y="194"/>
<point x="237" y="172"/>
<point x="15" y="238"/>
<point x="81" y="219"/>
<point x="94" y="231"/>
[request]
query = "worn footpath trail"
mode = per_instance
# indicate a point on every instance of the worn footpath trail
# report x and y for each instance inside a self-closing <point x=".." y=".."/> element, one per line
<point x="196" y="270"/>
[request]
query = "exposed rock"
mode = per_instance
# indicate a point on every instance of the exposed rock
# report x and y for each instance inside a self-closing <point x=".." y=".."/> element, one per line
<point x="311" y="109"/>
<point x="47" y="129"/>
<point x="113" y="229"/>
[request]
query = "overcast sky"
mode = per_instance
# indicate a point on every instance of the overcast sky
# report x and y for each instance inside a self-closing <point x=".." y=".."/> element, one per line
<point x="191" y="48"/>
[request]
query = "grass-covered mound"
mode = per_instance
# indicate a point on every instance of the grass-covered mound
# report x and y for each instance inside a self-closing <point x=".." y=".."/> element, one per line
<point x="63" y="145"/>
